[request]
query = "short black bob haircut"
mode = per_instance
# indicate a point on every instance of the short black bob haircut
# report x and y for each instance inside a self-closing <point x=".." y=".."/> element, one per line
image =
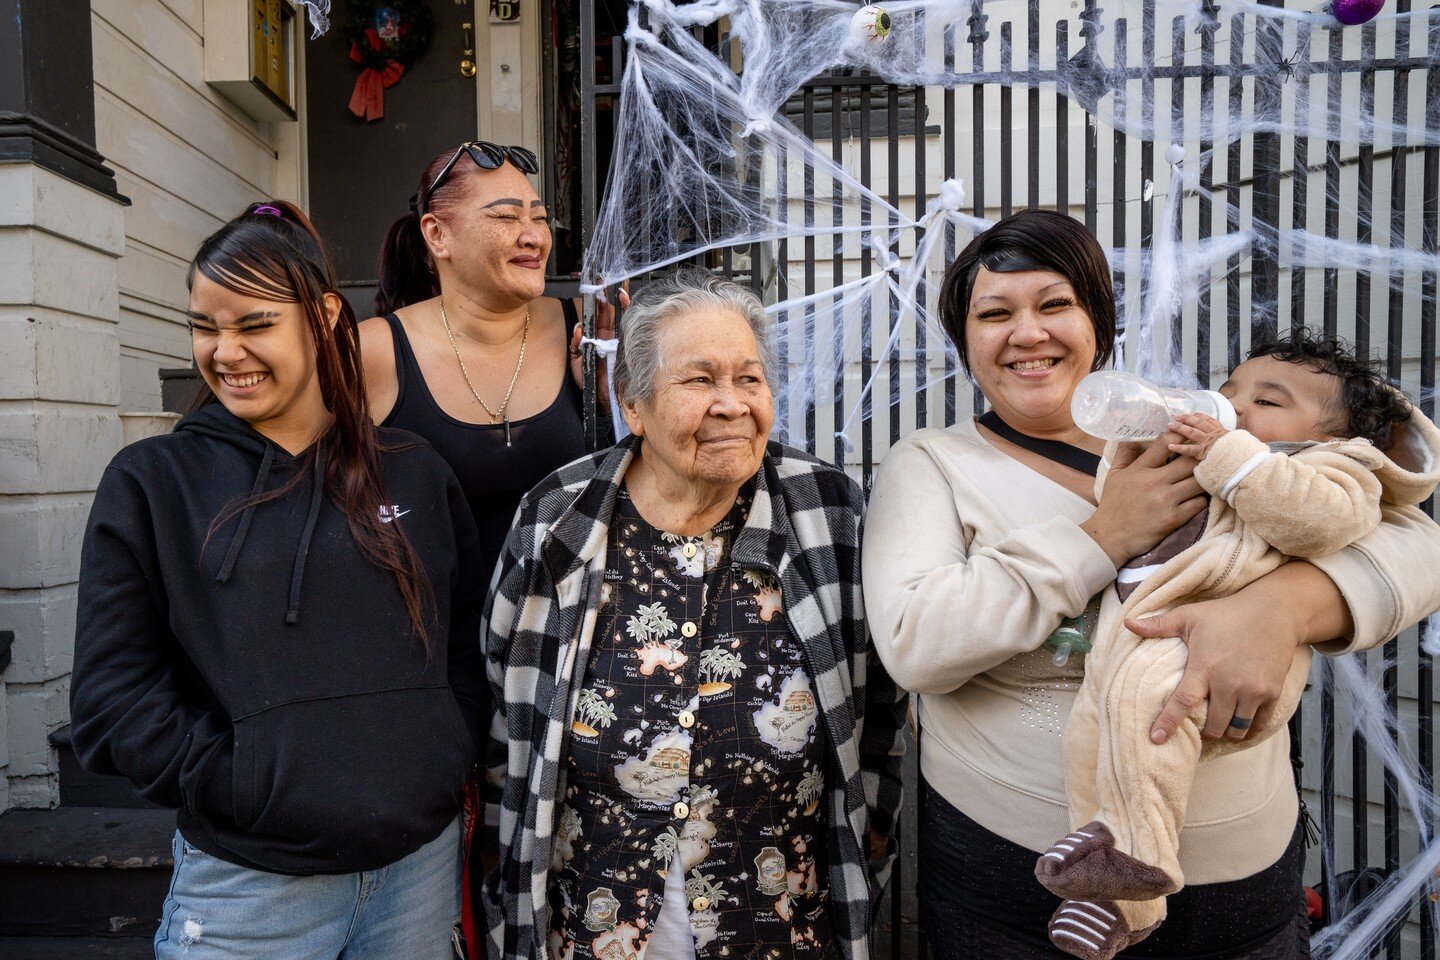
<point x="1365" y="405"/>
<point x="1034" y="240"/>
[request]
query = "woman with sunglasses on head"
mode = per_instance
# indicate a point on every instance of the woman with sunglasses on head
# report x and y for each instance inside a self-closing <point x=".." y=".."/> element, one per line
<point x="277" y="630"/>
<point x="468" y="353"/>
<point x="465" y="350"/>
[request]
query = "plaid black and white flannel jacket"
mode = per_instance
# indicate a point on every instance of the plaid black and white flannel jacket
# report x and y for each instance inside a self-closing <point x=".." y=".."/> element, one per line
<point x="804" y="527"/>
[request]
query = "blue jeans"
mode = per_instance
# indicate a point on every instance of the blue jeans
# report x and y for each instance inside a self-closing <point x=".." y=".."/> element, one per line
<point x="216" y="909"/>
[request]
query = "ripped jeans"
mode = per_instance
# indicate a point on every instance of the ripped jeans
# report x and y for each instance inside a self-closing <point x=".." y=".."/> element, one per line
<point x="216" y="909"/>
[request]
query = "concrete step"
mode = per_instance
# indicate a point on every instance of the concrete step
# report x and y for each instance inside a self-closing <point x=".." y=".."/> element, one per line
<point x="84" y="872"/>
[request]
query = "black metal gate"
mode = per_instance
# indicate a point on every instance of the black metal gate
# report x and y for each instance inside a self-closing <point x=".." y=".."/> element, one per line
<point x="1269" y="180"/>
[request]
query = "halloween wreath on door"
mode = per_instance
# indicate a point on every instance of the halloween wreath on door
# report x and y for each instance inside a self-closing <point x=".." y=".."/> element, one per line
<point x="386" y="37"/>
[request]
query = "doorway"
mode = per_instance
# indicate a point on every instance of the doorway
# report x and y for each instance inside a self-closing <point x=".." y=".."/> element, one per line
<point x="363" y="173"/>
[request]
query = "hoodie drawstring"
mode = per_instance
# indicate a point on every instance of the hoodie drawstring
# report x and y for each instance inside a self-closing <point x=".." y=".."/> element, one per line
<point x="233" y="554"/>
<point x="292" y="615"/>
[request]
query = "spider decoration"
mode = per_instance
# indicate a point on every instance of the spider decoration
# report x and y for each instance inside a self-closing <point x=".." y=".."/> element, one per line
<point x="1289" y="66"/>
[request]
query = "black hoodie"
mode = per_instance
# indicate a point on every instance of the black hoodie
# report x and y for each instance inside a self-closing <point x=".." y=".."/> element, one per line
<point x="269" y="683"/>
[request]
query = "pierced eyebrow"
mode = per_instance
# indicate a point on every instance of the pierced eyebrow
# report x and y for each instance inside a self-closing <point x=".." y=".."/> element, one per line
<point x="256" y="315"/>
<point x="512" y="202"/>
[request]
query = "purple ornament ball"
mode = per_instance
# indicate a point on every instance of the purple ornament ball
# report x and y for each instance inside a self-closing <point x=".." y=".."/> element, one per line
<point x="1355" y="12"/>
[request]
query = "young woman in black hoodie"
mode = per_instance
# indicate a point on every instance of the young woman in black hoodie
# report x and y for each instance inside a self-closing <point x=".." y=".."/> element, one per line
<point x="277" y="630"/>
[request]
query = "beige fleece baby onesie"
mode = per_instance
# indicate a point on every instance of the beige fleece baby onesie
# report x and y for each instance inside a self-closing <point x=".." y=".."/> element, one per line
<point x="1127" y="795"/>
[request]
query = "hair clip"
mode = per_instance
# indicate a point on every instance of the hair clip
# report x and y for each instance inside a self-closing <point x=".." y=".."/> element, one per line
<point x="266" y="210"/>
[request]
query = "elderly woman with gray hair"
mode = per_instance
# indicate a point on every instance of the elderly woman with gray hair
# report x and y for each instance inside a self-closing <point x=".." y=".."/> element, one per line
<point x="697" y="752"/>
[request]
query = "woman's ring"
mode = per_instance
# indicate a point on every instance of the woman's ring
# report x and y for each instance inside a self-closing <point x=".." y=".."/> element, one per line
<point x="1240" y="723"/>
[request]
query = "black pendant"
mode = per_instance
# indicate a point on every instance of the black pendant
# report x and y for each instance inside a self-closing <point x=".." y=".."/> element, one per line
<point x="507" y="431"/>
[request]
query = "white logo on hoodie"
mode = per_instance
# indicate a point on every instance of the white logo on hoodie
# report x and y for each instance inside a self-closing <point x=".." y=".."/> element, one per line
<point x="391" y="513"/>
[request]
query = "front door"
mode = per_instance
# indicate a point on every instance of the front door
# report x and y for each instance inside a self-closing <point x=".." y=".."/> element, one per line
<point x="363" y="173"/>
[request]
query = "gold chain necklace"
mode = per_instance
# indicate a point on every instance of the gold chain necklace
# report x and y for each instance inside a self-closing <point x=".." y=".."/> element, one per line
<point x="495" y="415"/>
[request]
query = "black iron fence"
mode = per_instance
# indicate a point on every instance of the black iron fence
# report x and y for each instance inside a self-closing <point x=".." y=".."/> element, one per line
<point x="1005" y="118"/>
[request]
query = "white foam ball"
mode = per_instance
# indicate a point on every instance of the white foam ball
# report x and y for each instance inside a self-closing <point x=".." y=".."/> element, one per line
<point x="1175" y="154"/>
<point x="870" y="24"/>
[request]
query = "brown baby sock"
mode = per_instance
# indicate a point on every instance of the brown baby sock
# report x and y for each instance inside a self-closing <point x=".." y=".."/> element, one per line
<point x="1093" y="930"/>
<point x="1086" y="866"/>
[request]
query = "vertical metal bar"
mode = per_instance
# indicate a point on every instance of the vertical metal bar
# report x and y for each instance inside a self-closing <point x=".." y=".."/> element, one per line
<point x="1177" y="135"/>
<point x="1359" y="753"/>
<point x="1327" y="787"/>
<point x="1333" y="101"/>
<point x="1032" y="95"/>
<point x="1330" y="296"/>
<point x="891" y="404"/>
<point x="951" y="131"/>
<point x="1265" y="169"/>
<point x="587" y="206"/>
<point x="922" y="351"/>
<point x="753" y="179"/>
<point x="782" y="277"/>
<point x="899" y="886"/>
<point x="808" y="121"/>
<point x="1119" y="214"/>
<point x="1430" y="227"/>
<point x="1365" y="200"/>
<point x="1359" y="794"/>
<point x="1300" y="170"/>
<point x="1147" y="143"/>
<point x="1232" y="191"/>
<point x="1007" y="126"/>
<point x="1207" y="28"/>
<point x="867" y="263"/>
<point x="978" y="35"/>
<point x="1062" y="121"/>
<point x="1090" y="30"/>
<point x="838" y="120"/>
<point x="1395" y="337"/>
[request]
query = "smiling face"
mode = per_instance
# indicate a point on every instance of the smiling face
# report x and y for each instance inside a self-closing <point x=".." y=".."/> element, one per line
<point x="258" y="358"/>
<point x="1028" y="342"/>
<point x="709" y="417"/>
<point x="496" y="239"/>
<point x="1276" y="400"/>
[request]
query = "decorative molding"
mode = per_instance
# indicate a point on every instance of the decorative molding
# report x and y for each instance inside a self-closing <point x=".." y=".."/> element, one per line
<point x="25" y="138"/>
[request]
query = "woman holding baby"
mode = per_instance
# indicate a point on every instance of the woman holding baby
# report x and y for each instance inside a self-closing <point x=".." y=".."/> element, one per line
<point x="987" y="554"/>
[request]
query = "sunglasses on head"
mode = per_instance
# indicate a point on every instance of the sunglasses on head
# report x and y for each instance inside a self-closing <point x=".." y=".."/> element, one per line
<point x="487" y="156"/>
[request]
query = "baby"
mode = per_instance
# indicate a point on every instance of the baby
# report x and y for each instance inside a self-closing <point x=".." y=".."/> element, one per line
<point x="1322" y="441"/>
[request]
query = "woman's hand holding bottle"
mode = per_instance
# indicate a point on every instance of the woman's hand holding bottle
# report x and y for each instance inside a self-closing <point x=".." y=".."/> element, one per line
<point x="1144" y="499"/>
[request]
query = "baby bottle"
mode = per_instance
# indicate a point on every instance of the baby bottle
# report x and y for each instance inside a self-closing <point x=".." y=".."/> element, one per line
<point x="1118" y="405"/>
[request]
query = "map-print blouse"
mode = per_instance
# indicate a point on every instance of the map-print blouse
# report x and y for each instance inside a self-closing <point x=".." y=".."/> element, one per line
<point x="695" y="745"/>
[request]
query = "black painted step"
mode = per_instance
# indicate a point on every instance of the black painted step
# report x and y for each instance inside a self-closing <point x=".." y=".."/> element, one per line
<point x="84" y="872"/>
<point x="76" y="948"/>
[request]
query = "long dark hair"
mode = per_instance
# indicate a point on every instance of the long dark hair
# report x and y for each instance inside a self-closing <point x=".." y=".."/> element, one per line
<point x="1034" y="240"/>
<point x="407" y="274"/>
<point x="282" y="258"/>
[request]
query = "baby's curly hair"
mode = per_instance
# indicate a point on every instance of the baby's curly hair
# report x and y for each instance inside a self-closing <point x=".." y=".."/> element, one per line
<point x="1366" y="405"/>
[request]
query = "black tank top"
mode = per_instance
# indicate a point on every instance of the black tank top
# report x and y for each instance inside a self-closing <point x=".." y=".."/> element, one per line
<point x="493" y="476"/>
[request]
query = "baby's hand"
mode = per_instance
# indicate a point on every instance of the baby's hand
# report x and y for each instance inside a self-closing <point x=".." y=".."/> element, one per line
<point x="1201" y="430"/>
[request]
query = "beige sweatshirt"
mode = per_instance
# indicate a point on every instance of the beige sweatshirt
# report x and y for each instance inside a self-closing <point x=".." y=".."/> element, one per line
<point x="971" y="559"/>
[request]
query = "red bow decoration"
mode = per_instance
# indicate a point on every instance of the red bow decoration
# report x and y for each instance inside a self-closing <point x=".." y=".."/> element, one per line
<point x="368" y="99"/>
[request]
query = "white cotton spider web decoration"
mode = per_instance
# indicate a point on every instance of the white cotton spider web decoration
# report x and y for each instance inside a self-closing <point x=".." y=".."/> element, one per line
<point x="686" y="178"/>
<point x="319" y="13"/>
